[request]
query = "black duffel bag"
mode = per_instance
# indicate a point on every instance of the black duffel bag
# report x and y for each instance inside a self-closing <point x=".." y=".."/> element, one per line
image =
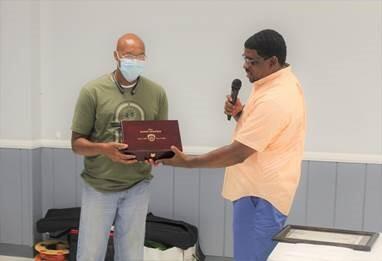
<point x="168" y="232"/>
<point x="58" y="222"/>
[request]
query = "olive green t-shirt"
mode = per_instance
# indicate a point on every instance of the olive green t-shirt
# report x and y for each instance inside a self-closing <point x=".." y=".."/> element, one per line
<point x="100" y="105"/>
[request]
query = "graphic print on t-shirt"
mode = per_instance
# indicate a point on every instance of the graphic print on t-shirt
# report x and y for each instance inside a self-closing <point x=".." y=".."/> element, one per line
<point x="130" y="111"/>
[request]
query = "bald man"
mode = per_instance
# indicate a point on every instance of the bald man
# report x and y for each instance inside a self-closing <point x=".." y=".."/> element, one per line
<point x="116" y="185"/>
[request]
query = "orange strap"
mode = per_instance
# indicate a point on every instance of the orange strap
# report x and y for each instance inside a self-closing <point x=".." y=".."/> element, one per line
<point x="61" y="248"/>
<point x="42" y="257"/>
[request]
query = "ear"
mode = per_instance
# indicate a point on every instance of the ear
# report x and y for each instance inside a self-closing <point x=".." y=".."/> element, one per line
<point x="115" y="56"/>
<point x="274" y="61"/>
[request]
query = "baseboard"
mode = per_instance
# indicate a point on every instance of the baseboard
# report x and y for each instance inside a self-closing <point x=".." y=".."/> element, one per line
<point x="16" y="250"/>
<point x="27" y="251"/>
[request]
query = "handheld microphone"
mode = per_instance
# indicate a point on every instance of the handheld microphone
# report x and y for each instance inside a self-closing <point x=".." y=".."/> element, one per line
<point x="235" y="87"/>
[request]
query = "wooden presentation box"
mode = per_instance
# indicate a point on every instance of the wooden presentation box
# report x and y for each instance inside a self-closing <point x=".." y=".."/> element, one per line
<point x="151" y="139"/>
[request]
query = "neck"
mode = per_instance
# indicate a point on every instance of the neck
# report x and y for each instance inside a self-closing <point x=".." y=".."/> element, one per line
<point x="279" y="67"/>
<point x="122" y="81"/>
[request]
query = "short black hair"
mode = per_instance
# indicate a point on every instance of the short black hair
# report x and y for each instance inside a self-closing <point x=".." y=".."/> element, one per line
<point x="268" y="43"/>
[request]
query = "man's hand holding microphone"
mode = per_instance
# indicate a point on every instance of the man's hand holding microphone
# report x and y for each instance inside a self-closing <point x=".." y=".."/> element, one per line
<point x="233" y="106"/>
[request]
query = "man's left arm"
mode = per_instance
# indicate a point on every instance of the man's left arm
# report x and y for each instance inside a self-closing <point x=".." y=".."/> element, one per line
<point x="225" y="156"/>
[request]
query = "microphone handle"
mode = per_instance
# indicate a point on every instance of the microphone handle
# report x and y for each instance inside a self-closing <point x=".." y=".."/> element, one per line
<point x="234" y="98"/>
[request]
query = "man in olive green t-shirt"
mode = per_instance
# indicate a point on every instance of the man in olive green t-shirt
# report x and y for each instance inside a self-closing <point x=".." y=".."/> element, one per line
<point x="116" y="187"/>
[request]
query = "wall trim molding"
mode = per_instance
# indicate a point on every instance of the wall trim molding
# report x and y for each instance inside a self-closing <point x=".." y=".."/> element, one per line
<point x="15" y="250"/>
<point x="195" y="150"/>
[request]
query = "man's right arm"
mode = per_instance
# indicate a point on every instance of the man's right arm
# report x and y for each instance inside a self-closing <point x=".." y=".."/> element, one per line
<point x="83" y="146"/>
<point x="83" y="122"/>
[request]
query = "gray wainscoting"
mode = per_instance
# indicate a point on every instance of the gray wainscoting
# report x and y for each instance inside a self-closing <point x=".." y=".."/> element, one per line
<point x="341" y="195"/>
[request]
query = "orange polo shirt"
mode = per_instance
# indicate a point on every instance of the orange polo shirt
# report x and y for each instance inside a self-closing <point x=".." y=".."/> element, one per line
<point x="273" y="124"/>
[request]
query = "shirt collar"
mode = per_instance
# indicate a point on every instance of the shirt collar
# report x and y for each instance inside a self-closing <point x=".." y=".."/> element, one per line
<point x="122" y="90"/>
<point x="266" y="80"/>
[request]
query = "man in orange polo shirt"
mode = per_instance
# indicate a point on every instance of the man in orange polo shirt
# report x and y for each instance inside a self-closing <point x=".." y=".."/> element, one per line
<point x="264" y="159"/>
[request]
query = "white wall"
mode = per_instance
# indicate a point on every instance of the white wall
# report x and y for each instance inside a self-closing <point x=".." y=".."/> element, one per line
<point x="194" y="50"/>
<point x="20" y="114"/>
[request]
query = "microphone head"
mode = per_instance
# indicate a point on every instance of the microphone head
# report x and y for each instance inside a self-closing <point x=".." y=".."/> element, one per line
<point x="236" y="84"/>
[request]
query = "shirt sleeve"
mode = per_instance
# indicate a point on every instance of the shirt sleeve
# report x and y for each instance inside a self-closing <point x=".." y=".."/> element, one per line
<point x="262" y="125"/>
<point x="84" y="113"/>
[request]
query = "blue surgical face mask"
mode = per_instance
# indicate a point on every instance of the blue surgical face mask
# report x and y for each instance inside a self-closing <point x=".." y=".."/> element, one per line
<point x="131" y="69"/>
